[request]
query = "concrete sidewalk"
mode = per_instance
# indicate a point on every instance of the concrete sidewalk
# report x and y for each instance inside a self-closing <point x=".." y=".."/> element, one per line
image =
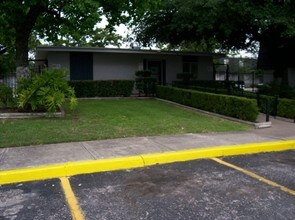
<point x="34" y="156"/>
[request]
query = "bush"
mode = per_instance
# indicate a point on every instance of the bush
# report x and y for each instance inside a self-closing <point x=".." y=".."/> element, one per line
<point x="7" y="65"/>
<point x="237" y="107"/>
<point x="235" y="92"/>
<point x="277" y="106"/>
<point x="277" y="89"/>
<point x="144" y="83"/>
<point x="286" y="108"/>
<point x="262" y="103"/>
<point x="45" y="92"/>
<point x="212" y="84"/>
<point x="185" y="77"/>
<point x="6" y="95"/>
<point x="204" y="89"/>
<point x="102" y="88"/>
<point x="143" y="73"/>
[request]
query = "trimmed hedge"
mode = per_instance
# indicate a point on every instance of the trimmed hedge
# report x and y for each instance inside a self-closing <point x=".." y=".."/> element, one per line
<point x="237" y="107"/>
<point x="278" y="107"/>
<point x="286" y="108"/>
<point x="209" y="84"/>
<point x="203" y="89"/>
<point x="146" y="85"/>
<point x="233" y="91"/>
<point x="262" y="102"/>
<point x="143" y="73"/>
<point x="102" y="88"/>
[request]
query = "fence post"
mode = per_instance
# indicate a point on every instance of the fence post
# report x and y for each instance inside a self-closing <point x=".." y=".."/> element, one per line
<point x="258" y="99"/>
<point x="276" y="105"/>
<point x="267" y="109"/>
<point x="227" y="79"/>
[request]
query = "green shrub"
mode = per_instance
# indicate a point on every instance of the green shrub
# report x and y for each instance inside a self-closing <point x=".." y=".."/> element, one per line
<point x="275" y="88"/>
<point x="204" y="89"/>
<point x="262" y="103"/>
<point x="7" y="64"/>
<point x="185" y="77"/>
<point x="6" y="95"/>
<point x="260" y="99"/>
<point x="238" y="107"/>
<point x="45" y="92"/>
<point x="277" y="107"/>
<point x="102" y="88"/>
<point x="235" y="92"/>
<point x="143" y="73"/>
<point x="286" y="108"/>
<point x="146" y="85"/>
<point x="233" y="85"/>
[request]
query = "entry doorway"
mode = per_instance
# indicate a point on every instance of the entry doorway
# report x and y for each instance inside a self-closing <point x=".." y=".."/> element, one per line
<point x="81" y="66"/>
<point x="158" y="69"/>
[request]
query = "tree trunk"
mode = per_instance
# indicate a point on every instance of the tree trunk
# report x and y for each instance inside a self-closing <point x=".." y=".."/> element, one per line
<point x="23" y="26"/>
<point x="22" y="48"/>
<point x="272" y="56"/>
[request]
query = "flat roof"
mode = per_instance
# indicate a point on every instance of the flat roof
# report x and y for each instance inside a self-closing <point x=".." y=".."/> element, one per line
<point x="43" y="50"/>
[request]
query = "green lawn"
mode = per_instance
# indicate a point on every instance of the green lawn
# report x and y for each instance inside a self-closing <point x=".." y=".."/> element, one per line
<point x="104" y="119"/>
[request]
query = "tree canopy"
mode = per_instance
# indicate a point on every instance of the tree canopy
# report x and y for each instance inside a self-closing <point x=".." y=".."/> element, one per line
<point x="67" y="22"/>
<point x="225" y="24"/>
<point x="233" y="24"/>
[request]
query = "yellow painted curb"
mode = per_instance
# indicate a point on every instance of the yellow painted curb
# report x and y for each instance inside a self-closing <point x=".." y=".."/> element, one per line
<point x="185" y="155"/>
<point x="69" y="169"/>
<point x="93" y="166"/>
<point x="83" y="167"/>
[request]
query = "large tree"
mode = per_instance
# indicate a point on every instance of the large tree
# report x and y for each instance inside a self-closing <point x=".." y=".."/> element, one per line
<point x="228" y="25"/>
<point x="67" y="22"/>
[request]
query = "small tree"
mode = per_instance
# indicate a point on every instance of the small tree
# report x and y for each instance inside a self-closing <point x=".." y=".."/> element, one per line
<point x="144" y="83"/>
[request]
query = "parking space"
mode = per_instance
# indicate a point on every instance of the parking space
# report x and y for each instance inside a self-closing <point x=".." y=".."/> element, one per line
<point x="33" y="200"/>
<point x="200" y="189"/>
<point x="278" y="167"/>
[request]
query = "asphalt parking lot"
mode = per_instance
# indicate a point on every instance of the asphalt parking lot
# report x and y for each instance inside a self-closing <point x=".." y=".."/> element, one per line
<point x="262" y="188"/>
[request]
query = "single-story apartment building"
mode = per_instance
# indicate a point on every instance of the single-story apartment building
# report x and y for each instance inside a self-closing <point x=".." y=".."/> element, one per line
<point x="92" y="63"/>
<point x="240" y="69"/>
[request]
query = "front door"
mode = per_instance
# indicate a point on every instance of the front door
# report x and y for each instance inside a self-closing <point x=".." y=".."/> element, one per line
<point x="157" y="68"/>
<point x="81" y="66"/>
